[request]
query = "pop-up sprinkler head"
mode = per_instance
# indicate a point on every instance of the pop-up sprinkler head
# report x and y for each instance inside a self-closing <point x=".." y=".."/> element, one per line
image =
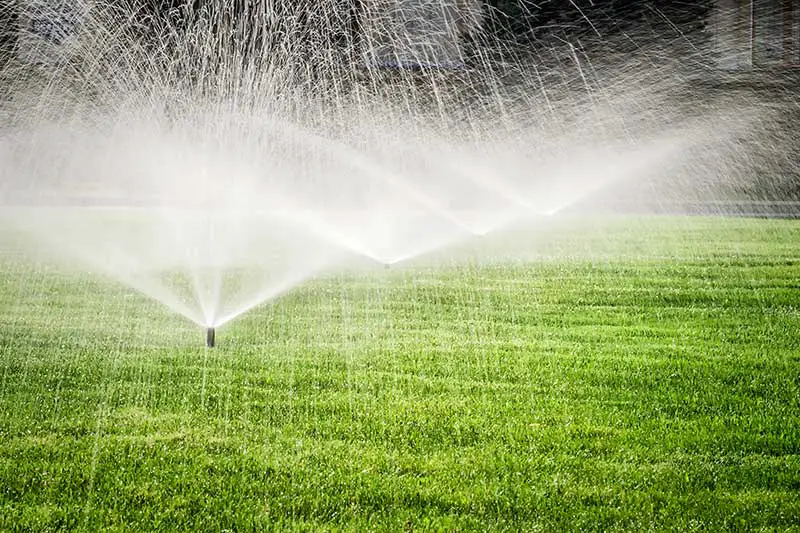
<point x="211" y="337"/>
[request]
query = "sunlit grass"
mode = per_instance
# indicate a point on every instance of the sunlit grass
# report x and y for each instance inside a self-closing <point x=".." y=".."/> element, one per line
<point x="629" y="374"/>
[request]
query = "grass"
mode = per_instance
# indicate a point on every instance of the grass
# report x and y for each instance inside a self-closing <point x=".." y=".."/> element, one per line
<point x="630" y="374"/>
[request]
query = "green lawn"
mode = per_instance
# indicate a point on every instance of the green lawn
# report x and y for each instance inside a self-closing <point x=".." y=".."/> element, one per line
<point x="627" y="374"/>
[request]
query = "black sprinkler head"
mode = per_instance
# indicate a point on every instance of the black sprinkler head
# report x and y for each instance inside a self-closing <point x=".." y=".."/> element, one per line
<point x="211" y="340"/>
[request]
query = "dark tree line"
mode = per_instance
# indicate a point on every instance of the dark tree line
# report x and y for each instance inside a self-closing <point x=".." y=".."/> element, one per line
<point x="517" y="20"/>
<point x="8" y="29"/>
<point x="525" y="20"/>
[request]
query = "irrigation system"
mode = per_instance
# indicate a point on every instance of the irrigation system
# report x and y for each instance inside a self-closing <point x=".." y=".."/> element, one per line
<point x="219" y="154"/>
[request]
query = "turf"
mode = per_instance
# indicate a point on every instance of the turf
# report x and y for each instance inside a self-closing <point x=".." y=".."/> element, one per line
<point x="628" y="374"/>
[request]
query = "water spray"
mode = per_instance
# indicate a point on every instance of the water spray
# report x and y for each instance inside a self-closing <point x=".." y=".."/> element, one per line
<point x="390" y="167"/>
<point x="211" y="334"/>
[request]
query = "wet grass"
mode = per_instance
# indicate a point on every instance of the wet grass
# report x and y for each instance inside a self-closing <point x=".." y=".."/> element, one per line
<point x="641" y="374"/>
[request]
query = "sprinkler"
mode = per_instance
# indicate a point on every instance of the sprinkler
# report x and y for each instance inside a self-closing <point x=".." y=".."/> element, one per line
<point x="210" y="337"/>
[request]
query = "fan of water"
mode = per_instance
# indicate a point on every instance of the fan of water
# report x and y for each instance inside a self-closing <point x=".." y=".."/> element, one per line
<point x="215" y="157"/>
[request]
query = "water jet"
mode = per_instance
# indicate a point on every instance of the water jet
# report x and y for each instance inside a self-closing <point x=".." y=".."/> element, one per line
<point x="257" y="177"/>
